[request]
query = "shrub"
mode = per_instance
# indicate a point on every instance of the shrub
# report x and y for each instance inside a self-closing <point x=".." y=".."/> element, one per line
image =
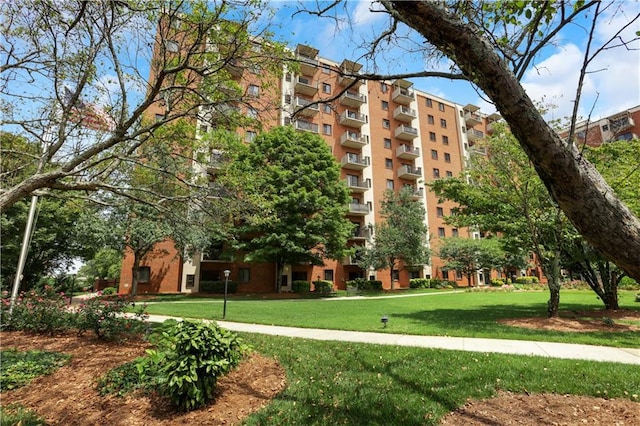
<point x="217" y="287"/>
<point x="19" y="368"/>
<point x="637" y="297"/>
<point x="497" y="282"/>
<point x="301" y="286"/>
<point x="365" y="285"/>
<point x="121" y="380"/>
<point x="419" y="283"/>
<point x="438" y="283"/>
<point x="37" y="311"/>
<point x="628" y="283"/>
<point x="109" y="291"/>
<point x="16" y="414"/>
<point x="197" y="354"/>
<point x="323" y="286"/>
<point x="105" y="317"/>
<point x="526" y="280"/>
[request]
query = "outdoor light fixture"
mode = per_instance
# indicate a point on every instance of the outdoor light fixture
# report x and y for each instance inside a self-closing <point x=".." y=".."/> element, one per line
<point x="226" y="286"/>
<point x="384" y="320"/>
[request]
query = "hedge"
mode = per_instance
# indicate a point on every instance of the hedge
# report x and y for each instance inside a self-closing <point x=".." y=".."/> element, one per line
<point x="527" y="280"/>
<point x="323" y="286"/>
<point x="301" y="286"/>
<point x="217" y="287"/>
<point x="419" y="283"/>
<point x="366" y="285"/>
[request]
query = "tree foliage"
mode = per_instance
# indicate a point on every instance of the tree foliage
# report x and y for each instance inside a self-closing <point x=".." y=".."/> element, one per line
<point x="402" y="236"/>
<point x="295" y="181"/>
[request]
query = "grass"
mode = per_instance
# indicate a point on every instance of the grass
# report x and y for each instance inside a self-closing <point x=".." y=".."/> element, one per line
<point x="461" y="314"/>
<point x="352" y="383"/>
<point x="18" y="368"/>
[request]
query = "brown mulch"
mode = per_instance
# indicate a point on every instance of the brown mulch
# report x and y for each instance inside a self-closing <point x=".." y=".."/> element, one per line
<point x="68" y="396"/>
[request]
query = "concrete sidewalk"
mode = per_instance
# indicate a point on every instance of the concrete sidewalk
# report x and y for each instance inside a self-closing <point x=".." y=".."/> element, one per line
<point x="516" y="347"/>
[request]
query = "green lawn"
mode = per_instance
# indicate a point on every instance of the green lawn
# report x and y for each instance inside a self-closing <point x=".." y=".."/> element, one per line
<point x="351" y="383"/>
<point x="461" y="314"/>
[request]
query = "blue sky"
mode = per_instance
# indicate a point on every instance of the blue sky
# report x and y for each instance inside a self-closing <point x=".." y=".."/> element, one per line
<point x="613" y="86"/>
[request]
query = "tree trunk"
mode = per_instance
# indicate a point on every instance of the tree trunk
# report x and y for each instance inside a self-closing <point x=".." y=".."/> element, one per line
<point x="552" y="272"/>
<point x="134" y="274"/>
<point x="574" y="183"/>
<point x="393" y="286"/>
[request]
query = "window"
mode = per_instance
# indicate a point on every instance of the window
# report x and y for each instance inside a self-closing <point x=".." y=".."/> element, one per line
<point x="159" y="117"/>
<point x="144" y="274"/>
<point x="430" y="119"/>
<point x="440" y="106"/>
<point x="287" y="77"/>
<point x="328" y="274"/>
<point x="388" y="163"/>
<point x="429" y="102"/>
<point x="396" y="275"/>
<point x="389" y="183"/>
<point x="434" y="154"/>
<point x="432" y="136"/>
<point x="326" y="129"/>
<point x="253" y="90"/>
<point x="454" y="232"/>
<point x="449" y="173"/>
<point x="249" y="136"/>
<point x="605" y="128"/>
<point x="439" y="211"/>
<point x="204" y="128"/>
<point x="387" y="143"/>
<point x="385" y="105"/>
<point x="445" y="275"/>
<point x="384" y="88"/>
<point x="441" y="232"/>
<point x="326" y="108"/>
<point x="447" y="157"/>
<point x="252" y="112"/>
<point x="287" y="99"/>
<point x="299" y="276"/>
<point x="171" y="46"/>
<point x="325" y="69"/>
<point x="385" y="123"/>
<point x="244" y="275"/>
<point x="436" y="173"/>
<point x="326" y="88"/>
<point x="191" y="280"/>
<point x="443" y="123"/>
<point x="445" y="140"/>
<point x="458" y="275"/>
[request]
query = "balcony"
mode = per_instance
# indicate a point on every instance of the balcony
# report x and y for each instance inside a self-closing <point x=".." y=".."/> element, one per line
<point x="358" y="186"/>
<point x="306" y="86"/>
<point x="349" y="70"/>
<point x="306" y="126"/>
<point x="307" y="58"/>
<point x="621" y="123"/>
<point x="492" y="119"/>
<point x="417" y="194"/>
<point x="360" y="234"/>
<point x="358" y="209"/>
<point x="471" y="115"/>
<point x="403" y="95"/>
<point x="305" y="107"/>
<point x="353" y="99"/>
<point x="216" y="161"/>
<point x="354" y="162"/>
<point x="408" y="172"/>
<point x="404" y="113"/>
<point x="353" y="119"/>
<point x="234" y="67"/>
<point x="407" y="152"/>
<point x="406" y="133"/>
<point x="353" y="140"/>
<point x="474" y="135"/>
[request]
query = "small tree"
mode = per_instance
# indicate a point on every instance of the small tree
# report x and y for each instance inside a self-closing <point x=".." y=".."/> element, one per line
<point x="401" y="238"/>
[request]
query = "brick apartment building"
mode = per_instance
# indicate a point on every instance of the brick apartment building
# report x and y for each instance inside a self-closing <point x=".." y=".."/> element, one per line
<point x="624" y="125"/>
<point x="385" y="135"/>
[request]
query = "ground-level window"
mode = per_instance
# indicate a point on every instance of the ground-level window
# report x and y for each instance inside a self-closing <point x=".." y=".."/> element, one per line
<point x="414" y="274"/>
<point x="144" y="274"/>
<point x="445" y="275"/>
<point x="328" y="274"/>
<point x="191" y="281"/>
<point x="458" y="275"/>
<point x="244" y="275"/>
<point x="396" y="275"/>
<point x="299" y="276"/>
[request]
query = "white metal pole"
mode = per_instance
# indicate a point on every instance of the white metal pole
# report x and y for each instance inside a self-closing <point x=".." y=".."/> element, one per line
<point x="28" y="229"/>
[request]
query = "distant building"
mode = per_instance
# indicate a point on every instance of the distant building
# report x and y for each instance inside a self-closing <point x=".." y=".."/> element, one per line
<point x="624" y="125"/>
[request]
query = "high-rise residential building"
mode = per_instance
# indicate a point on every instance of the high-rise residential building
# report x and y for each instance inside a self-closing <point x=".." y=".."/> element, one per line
<point x="384" y="134"/>
<point x="621" y="126"/>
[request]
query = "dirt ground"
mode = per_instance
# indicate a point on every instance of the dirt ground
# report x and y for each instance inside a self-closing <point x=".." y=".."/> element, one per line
<point x="68" y="396"/>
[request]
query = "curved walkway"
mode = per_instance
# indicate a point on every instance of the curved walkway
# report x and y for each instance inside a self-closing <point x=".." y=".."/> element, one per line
<point x="516" y="347"/>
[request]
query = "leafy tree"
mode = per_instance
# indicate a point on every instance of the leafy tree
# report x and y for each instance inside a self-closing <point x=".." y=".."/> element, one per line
<point x="54" y="243"/>
<point x="78" y="92"/>
<point x="401" y="238"/>
<point x="295" y="180"/>
<point x="105" y="264"/>
<point x="493" y="45"/>
<point x="468" y="255"/>
<point x="505" y="196"/>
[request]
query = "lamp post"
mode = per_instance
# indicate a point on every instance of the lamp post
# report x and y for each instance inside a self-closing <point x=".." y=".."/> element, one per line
<point x="226" y="286"/>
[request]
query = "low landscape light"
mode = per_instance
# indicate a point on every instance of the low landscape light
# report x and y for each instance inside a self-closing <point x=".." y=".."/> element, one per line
<point x="384" y="320"/>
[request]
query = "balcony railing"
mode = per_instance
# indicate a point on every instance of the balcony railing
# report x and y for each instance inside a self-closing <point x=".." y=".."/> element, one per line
<point x="407" y="152"/>
<point x="306" y="86"/>
<point x="353" y="99"/>
<point x="474" y="135"/>
<point x="404" y="113"/>
<point x="407" y="133"/>
<point x="408" y="172"/>
<point x="308" y="65"/>
<point x="359" y="209"/>
<point x="472" y="118"/>
<point x="355" y="162"/>
<point x="305" y="107"/>
<point x="353" y="140"/>
<point x="306" y="126"/>
<point x="403" y="96"/>
<point x="353" y="119"/>
<point x="357" y="185"/>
